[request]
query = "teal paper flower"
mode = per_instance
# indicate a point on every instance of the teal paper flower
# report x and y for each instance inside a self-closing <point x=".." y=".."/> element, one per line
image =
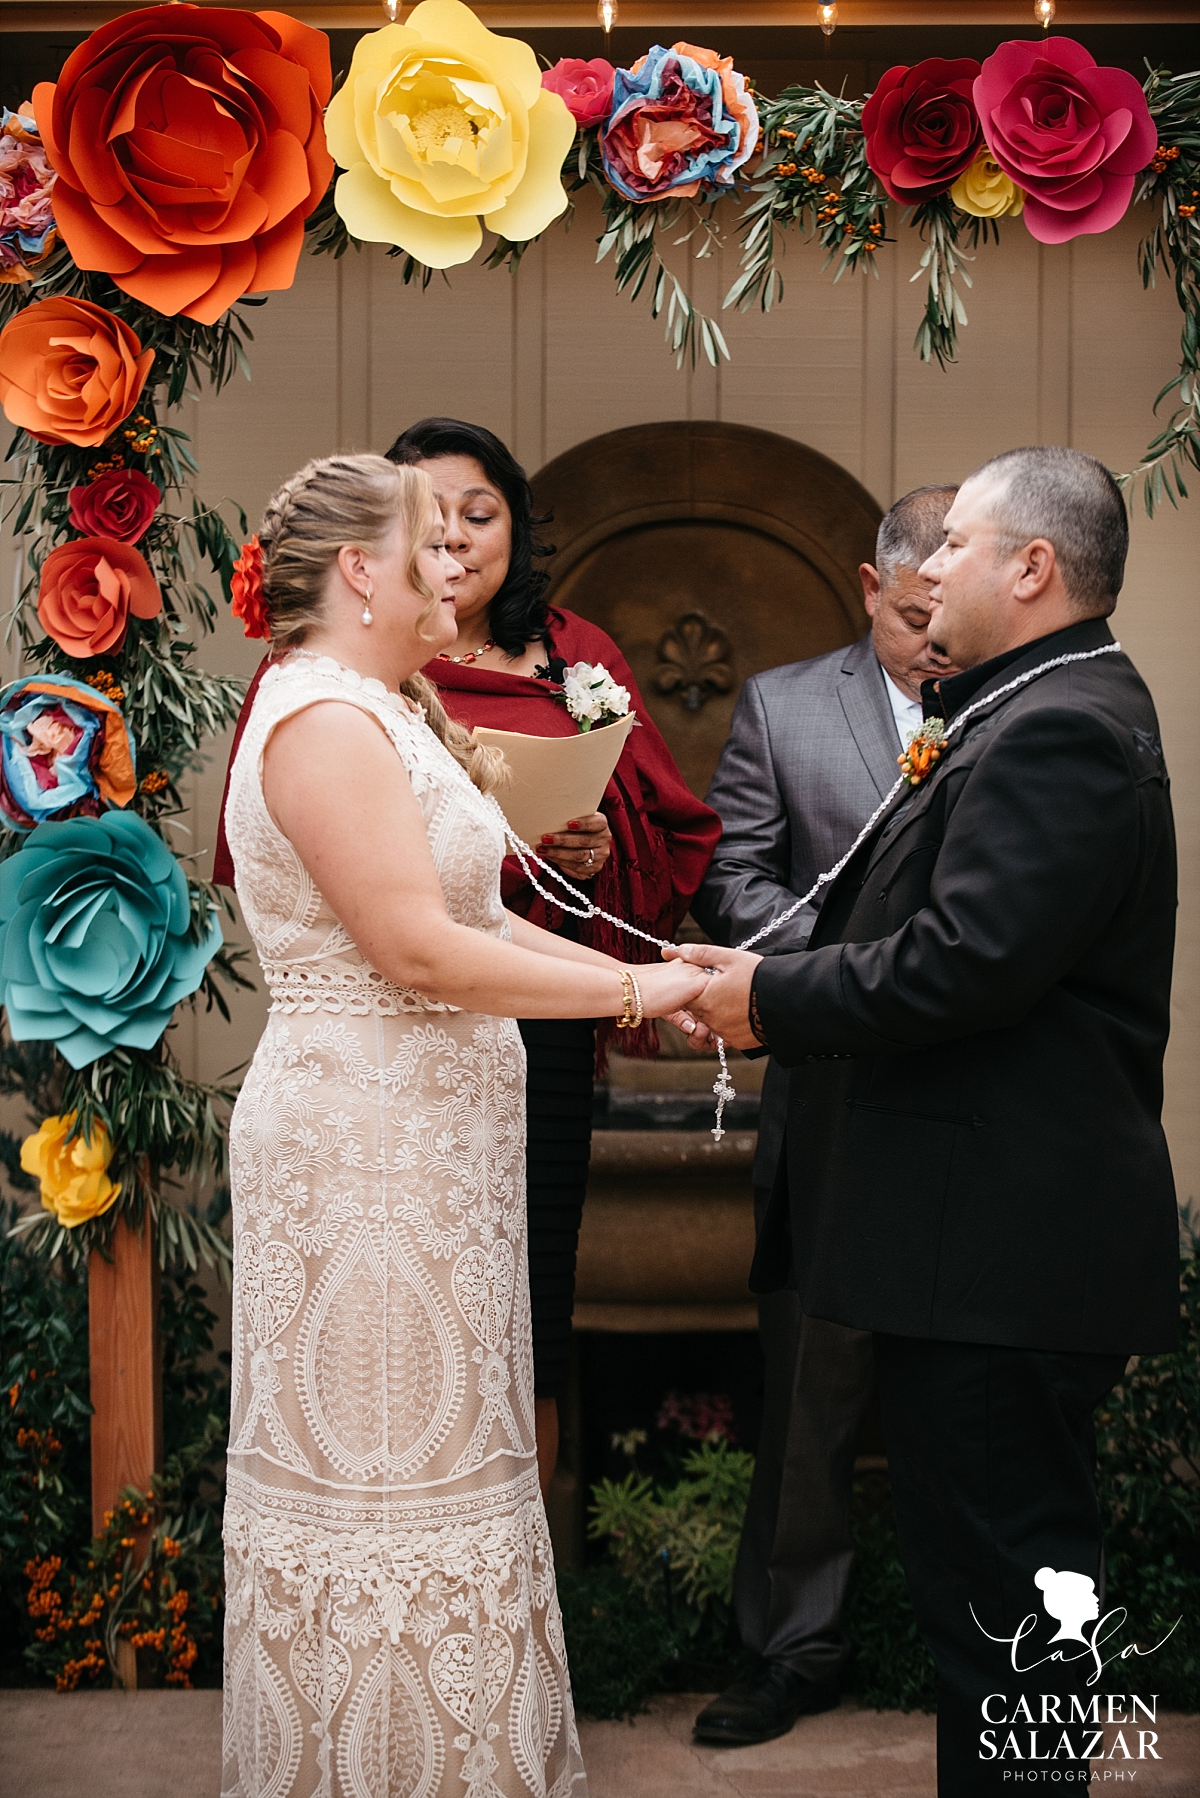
<point x="95" y="949"/>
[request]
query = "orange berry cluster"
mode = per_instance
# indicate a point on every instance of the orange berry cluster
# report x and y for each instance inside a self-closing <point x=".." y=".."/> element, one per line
<point x="141" y="436"/>
<point x="918" y="760"/>
<point x="104" y="683"/>
<point x="154" y="782"/>
<point x="1163" y="158"/>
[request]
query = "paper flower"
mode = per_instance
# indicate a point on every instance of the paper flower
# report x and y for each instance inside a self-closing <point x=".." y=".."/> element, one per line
<point x="64" y="749"/>
<point x="73" y="1171"/>
<point x="986" y="192"/>
<point x="921" y="128"/>
<point x="27" y="234"/>
<point x="88" y="589"/>
<point x="441" y="124"/>
<point x="249" y="601"/>
<point x="70" y="371"/>
<point x="1073" y="135"/>
<point x="592" y="695"/>
<point x="682" y="119"/>
<point x="584" y="87"/>
<point x="95" y="945"/>
<point x="189" y="149"/>
<point x="119" y="503"/>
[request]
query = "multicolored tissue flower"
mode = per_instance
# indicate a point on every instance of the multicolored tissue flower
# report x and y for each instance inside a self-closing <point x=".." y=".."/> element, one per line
<point x="27" y="233"/>
<point x="682" y="120"/>
<point x="65" y="750"/>
<point x="96" y="939"/>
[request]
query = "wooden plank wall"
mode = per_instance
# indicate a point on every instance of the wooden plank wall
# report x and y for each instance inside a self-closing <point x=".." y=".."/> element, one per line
<point x="1062" y="346"/>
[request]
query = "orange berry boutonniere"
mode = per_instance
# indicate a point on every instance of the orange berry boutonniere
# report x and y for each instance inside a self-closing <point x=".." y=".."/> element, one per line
<point x="249" y="601"/>
<point x="924" y="751"/>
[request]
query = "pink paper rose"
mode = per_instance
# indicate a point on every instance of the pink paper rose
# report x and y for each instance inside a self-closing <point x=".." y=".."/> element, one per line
<point x="118" y="504"/>
<point x="585" y="87"/>
<point x="1071" y="134"/>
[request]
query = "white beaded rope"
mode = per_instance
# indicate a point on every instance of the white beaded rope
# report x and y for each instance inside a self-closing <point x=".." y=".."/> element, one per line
<point x="723" y="1088"/>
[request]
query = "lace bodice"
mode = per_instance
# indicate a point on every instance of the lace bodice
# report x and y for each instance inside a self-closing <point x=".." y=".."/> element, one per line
<point x="308" y="960"/>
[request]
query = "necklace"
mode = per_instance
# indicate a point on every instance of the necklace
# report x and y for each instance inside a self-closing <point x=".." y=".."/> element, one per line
<point x="468" y="655"/>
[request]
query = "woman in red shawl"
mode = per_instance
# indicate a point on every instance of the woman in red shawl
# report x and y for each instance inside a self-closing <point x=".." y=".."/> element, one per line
<point x="642" y="856"/>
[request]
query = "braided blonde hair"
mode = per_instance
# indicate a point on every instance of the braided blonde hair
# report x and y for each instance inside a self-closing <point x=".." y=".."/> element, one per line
<point x="358" y="500"/>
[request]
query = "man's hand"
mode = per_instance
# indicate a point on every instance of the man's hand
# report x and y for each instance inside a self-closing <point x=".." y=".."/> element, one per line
<point x="723" y="1009"/>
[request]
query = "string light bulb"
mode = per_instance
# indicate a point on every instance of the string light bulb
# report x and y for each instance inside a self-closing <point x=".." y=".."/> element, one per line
<point x="827" y="18"/>
<point x="1043" y="12"/>
<point x="606" y="12"/>
<point x="392" y="9"/>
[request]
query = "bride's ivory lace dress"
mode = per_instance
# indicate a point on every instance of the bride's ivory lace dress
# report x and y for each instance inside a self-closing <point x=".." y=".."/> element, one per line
<point x="392" y="1629"/>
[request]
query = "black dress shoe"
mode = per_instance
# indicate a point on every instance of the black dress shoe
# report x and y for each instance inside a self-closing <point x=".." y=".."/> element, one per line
<point x="762" y="1704"/>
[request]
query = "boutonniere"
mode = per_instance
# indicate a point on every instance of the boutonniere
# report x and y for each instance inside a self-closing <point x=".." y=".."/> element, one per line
<point x="924" y="751"/>
<point x="592" y="696"/>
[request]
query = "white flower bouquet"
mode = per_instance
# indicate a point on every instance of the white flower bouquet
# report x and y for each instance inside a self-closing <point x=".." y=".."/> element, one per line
<point x="592" y="696"/>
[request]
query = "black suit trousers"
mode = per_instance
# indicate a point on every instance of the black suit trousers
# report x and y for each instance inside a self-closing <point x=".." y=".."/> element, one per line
<point x="992" y="1460"/>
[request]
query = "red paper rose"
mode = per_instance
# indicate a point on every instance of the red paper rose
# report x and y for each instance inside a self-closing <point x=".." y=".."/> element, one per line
<point x="921" y="127"/>
<point x="120" y="504"/>
<point x="249" y="601"/>
<point x="1071" y="134"/>
<point x="585" y="87"/>
<point x="88" y="589"/>
<point x="190" y="148"/>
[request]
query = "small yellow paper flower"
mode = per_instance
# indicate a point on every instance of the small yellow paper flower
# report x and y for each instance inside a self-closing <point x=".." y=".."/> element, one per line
<point x="440" y="123"/>
<point x="75" y="1185"/>
<point x="986" y="192"/>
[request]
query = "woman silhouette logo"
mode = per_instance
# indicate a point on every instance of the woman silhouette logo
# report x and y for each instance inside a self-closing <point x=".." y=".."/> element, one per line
<point x="1070" y="1598"/>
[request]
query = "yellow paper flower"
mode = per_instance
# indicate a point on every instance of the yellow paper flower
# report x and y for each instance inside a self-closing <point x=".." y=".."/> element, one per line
<point x="440" y="123"/>
<point x="986" y="192"/>
<point x="75" y="1184"/>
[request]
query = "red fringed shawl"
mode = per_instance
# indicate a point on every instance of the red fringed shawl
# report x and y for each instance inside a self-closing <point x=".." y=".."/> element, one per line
<point x="663" y="836"/>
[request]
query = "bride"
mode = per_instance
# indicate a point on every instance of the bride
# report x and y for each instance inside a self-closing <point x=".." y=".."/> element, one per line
<point x="392" y="1628"/>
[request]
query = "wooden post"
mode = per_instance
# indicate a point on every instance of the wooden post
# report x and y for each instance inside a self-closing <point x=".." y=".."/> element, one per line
<point x="126" y="1376"/>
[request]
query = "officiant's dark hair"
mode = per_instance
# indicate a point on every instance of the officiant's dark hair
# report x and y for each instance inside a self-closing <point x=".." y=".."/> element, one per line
<point x="518" y="612"/>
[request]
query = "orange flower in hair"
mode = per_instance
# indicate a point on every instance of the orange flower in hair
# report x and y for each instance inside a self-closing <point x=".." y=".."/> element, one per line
<point x="249" y="601"/>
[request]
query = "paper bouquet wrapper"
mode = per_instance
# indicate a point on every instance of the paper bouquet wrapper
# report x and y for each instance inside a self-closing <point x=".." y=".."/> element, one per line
<point x="555" y="779"/>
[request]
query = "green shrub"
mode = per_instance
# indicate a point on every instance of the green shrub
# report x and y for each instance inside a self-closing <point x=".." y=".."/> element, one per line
<point x="890" y="1667"/>
<point x="1148" y="1443"/>
<point x="165" y="1590"/>
<point x="619" y="1649"/>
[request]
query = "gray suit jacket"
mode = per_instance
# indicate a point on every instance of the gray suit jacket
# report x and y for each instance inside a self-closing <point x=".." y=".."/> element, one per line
<point x="811" y="752"/>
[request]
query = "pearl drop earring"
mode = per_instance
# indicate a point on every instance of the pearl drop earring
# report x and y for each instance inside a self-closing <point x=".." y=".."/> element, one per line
<point x="366" y="611"/>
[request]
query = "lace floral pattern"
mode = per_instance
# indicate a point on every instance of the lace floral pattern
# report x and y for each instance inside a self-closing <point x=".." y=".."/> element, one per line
<point x="392" y="1628"/>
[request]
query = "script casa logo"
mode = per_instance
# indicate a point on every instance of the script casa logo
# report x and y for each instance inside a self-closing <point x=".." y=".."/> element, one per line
<point x="1057" y="1726"/>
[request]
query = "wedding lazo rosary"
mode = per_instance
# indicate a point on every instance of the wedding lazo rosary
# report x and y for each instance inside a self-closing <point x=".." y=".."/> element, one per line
<point x="926" y="746"/>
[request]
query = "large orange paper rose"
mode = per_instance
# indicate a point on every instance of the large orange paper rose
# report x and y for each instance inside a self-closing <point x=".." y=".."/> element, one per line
<point x="70" y="371"/>
<point x="190" y="148"/>
<point x="89" y="587"/>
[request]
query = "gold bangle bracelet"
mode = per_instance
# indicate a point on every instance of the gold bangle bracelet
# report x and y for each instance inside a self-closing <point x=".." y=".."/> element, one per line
<point x="637" y="993"/>
<point x="629" y="993"/>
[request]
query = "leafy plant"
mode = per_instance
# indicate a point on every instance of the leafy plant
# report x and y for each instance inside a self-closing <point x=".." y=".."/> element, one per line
<point x="1172" y="185"/>
<point x="619" y="1649"/>
<point x="677" y="1545"/>
<point x="50" y="1575"/>
<point x="1148" y="1440"/>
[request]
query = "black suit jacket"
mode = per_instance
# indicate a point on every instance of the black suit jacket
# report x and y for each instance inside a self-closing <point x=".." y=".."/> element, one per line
<point x="974" y="1149"/>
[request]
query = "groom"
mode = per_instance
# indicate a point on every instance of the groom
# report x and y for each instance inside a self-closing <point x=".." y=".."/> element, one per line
<point x="975" y="1168"/>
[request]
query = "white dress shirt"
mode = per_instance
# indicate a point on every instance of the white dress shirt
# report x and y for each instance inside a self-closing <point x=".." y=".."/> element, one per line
<point x="906" y="711"/>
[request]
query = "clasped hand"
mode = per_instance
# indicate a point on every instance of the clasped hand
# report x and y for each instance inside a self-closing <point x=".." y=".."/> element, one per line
<point x="723" y="1008"/>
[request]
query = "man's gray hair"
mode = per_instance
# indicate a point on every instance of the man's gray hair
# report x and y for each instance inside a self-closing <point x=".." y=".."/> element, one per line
<point x="912" y="530"/>
<point x="1071" y="500"/>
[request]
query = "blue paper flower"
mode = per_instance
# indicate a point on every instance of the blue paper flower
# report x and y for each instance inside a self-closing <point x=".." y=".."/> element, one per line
<point x="682" y="120"/>
<point x="64" y="749"/>
<point x="95" y="950"/>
